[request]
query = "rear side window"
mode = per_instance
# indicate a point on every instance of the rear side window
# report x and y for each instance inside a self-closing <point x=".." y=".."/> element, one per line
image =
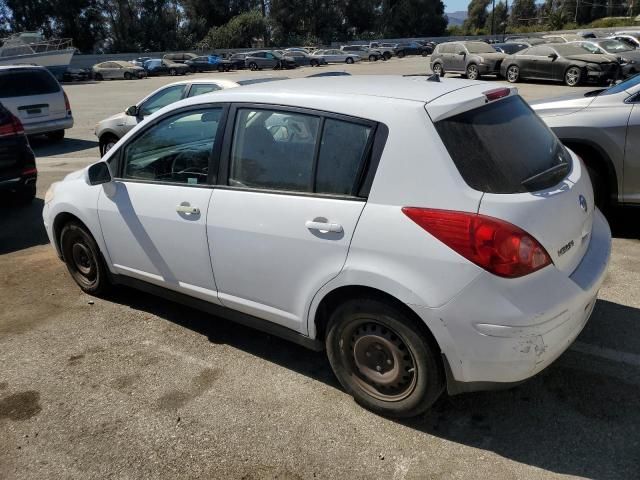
<point x="503" y="147"/>
<point x="21" y="83"/>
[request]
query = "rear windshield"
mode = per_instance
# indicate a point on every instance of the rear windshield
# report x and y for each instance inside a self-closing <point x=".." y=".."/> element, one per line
<point x="21" y="83"/>
<point x="503" y="147"/>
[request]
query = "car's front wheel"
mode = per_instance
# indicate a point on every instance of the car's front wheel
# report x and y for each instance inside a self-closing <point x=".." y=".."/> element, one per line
<point x="382" y="358"/>
<point x="573" y="76"/>
<point x="349" y="60"/>
<point x="472" y="72"/>
<point x="513" y="74"/>
<point x="437" y="69"/>
<point x="372" y="58"/>
<point x="82" y="257"/>
<point x="172" y="72"/>
<point x="127" y="76"/>
<point x="253" y="66"/>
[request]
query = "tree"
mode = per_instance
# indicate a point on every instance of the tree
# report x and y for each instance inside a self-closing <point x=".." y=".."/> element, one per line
<point x="523" y="12"/>
<point x="413" y="18"/>
<point x="476" y="15"/>
<point x="501" y="17"/>
<point x="362" y="16"/>
<point x="239" y="32"/>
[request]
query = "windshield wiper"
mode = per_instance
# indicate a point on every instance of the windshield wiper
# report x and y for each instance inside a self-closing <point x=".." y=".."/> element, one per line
<point x="549" y="172"/>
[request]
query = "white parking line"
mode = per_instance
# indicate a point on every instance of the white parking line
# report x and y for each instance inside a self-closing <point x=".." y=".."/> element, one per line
<point x="607" y="353"/>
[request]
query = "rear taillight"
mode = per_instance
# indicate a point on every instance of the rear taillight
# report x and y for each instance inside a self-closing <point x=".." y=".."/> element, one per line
<point x="11" y="126"/>
<point x="30" y="171"/>
<point x="495" y="245"/>
<point x="67" y="105"/>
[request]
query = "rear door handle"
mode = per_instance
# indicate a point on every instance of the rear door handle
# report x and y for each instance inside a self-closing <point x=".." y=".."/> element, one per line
<point x="188" y="209"/>
<point x="323" y="226"/>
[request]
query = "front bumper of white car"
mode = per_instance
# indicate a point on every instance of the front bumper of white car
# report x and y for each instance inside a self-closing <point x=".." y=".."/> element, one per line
<point x="498" y="332"/>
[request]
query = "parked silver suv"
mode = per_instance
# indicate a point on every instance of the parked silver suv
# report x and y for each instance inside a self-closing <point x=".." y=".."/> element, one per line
<point x="35" y="97"/>
<point x="472" y="59"/>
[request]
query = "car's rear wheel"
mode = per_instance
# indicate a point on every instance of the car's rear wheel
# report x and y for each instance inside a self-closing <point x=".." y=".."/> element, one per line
<point x="56" y="135"/>
<point x="472" y="72"/>
<point x="253" y="66"/>
<point x="127" y="76"/>
<point x="313" y="63"/>
<point x="513" y="74"/>
<point x="386" y="55"/>
<point x="82" y="257"/>
<point x="401" y="54"/>
<point x="372" y="58"/>
<point x="382" y="358"/>
<point x="172" y="72"/>
<point x="98" y="77"/>
<point x="573" y="76"/>
<point x="349" y="60"/>
<point x="437" y="69"/>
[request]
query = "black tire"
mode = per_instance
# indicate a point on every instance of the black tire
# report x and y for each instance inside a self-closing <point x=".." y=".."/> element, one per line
<point x="373" y="58"/>
<point x="107" y="142"/>
<point x="600" y="188"/>
<point x="172" y="72"/>
<point x="56" y="135"/>
<point x="127" y="76"/>
<point x="368" y="338"/>
<point x="386" y="55"/>
<point x="98" y="77"/>
<point x="425" y="53"/>
<point x="253" y="66"/>
<point x="313" y="63"/>
<point x="573" y="76"/>
<point x="83" y="259"/>
<point x="400" y="54"/>
<point x="220" y="68"/>
<point x="472" y="72"/>
<point x="437" y="69"/>
<point x="513" y="74"/>
<point x="349" y="60"/>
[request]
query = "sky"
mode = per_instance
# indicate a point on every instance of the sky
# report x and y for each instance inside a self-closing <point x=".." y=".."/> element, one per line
<point x="455" y="5"/>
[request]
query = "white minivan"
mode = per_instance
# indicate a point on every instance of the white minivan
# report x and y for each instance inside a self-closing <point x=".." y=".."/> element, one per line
<point x="35" y="97"/>
<point x="428" y="234"/>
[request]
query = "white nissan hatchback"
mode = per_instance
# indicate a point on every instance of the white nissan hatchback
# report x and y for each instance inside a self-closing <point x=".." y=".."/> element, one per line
<point x="427" y="233"/>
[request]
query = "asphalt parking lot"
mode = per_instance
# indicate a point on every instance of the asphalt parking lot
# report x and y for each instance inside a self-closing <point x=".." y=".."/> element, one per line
<point x="135" y="386"/>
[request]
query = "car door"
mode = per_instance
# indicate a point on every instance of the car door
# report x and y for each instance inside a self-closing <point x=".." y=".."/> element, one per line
<point x="458" y="58"/>
<point x="277" y="232"/>
<point x="271" y="61"/>
<point x="527" y="62"/>
<point x="153" y="215"/>
<point x="631" y="192"/>
<point x="543" y="65"/>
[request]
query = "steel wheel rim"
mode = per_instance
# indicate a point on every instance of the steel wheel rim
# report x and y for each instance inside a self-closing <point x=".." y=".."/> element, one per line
<point x="572" y="76"/>
<point x="382" y="365"/>
<point x="83" y="260"/>
<point x="512" y="74"/>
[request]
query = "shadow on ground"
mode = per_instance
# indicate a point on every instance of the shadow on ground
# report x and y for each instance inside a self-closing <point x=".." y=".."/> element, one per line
<point x="567" y="420"/>
<point x="624" y="222"/>
<point x="21" y="226"/>
<point x="44" y="147"/>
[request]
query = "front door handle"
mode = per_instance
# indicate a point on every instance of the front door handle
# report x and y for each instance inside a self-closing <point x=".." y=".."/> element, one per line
<point x="188" y="209"/>
<point x="323" y="226"/>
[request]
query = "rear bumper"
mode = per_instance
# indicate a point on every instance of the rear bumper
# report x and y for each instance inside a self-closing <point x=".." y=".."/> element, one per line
<point x="18" y="183"/>
<point x="498" y="332"/>
<point x="48" y="125"/>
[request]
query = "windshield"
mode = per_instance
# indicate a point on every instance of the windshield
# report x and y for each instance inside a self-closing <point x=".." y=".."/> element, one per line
<point x="502" y="146"/>
<point x="479" y="47"/>
<point x="591" y="48"/>
<point x="614" y="46"/>
<point x="566" y="50"/>
<point x="628" y="84"/>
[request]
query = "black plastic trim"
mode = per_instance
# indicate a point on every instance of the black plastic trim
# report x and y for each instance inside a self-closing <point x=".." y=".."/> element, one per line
<point x="220" y="311"/>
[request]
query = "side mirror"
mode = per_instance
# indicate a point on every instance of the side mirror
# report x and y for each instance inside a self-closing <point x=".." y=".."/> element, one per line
<point x="132" y="111"/>
<point x="99" y="173"/>
<point x="553" y="56"/>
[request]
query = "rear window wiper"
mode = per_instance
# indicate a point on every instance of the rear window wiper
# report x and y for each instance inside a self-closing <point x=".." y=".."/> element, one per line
<point x="549" y="172"/>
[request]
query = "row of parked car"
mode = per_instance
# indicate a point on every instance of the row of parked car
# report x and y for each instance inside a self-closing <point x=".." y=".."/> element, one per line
<point x="183" y="63"/>
<point x="571" y="59"/>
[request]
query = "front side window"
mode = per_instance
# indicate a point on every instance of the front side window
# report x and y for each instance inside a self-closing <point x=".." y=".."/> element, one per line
<point x="273" y="150"/>
<point x="161" y="99"/>
<point x="176" y="150"/>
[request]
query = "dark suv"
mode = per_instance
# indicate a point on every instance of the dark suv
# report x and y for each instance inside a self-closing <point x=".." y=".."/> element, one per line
<point x="18" y="171"/>
<point x="472" y="59"/>
<point x="412" y="48"/>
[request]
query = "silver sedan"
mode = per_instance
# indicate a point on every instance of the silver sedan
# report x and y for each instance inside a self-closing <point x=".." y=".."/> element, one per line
<point x="603" y="127"/>
<point x="338" y="56"/>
